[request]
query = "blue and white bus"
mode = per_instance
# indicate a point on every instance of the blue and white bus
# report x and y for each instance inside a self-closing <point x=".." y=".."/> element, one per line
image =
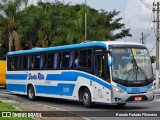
<point x="91" y="72"/>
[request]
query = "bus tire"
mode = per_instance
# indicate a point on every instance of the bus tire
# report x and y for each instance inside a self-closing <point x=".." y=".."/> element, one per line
<point x="31" y="93"/>
<point x="86" y="98"/>
<point x="121" y="104"/>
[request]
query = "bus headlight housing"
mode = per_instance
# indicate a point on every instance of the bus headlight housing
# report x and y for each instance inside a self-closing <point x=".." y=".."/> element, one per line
<point x="118" y="89"/>
<point x="151" y="89"/>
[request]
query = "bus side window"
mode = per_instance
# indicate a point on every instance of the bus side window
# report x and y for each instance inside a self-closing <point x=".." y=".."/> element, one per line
<point x="12" y="65"/>
<point x="59" y="60"/>
<point x="37" y="61"/>
<point x="29" y="62"/>
<point x="65" y="60"/>
<point x="83" y="58"/>
<point x="107" y="72"/>
<point x="15" y="62"/>
<point x="55" y="60"/>
<point x="71" y="60"/>
<point x="20" y="63"/>
<point x="50" y="60"/>
<point x="25" y="62"/>
<point x="99" y="65"/>
<point x="76" y="59"/>
<point x="9" y="63"/>
<point x="41" y="62"/>
<point x="89" y="58"/>
<point x="32" y="62"/>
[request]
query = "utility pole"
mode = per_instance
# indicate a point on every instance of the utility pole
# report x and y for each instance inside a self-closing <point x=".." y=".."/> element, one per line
<point x="85" y="21"/>
<point x="142" y="38"/>
<point x="157" y="43"/>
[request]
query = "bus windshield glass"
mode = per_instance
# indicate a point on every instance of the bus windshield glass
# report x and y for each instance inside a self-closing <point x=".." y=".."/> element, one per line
<point x="131" y="64"/>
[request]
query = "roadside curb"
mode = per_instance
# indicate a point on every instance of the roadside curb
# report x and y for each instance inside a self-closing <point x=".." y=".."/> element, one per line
<point x="11" y="101"/>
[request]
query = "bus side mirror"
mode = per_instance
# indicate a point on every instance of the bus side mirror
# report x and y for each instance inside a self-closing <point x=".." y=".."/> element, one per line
<point x="153" y="59"/>
<point x="109" y="58"/>
<point x="110" y="53"/>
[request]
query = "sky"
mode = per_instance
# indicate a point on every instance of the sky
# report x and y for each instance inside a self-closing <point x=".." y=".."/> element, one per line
<point x="135" y="14"/>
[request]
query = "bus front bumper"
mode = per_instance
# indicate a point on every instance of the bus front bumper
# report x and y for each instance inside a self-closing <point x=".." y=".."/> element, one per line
<point x="136" y="97"/>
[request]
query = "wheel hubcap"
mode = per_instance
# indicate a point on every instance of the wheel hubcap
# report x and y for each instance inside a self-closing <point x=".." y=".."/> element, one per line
<point x="30" y="93"/>
<point x="85" y="97"/>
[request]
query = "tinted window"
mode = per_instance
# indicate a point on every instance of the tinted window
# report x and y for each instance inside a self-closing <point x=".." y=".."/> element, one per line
<point x="89" y="58"/>
<point x="83" y="58"/>
<point x="50" y="60"/>
<point x="65" y="60"/>
<point x="9" y="63"/>
<point x="59" y="60"/>
<point x="25" y="62"/>
<point x="13" y="63"/>
<point x="36" y="61"/>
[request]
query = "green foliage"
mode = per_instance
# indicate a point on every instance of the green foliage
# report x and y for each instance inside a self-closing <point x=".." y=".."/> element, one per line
<point x="9" y="8"/>
<point x="51" y="24"/>
<point x="8" y="16"/>
<point x="3" y="38"/>
<point x="153" y="59"/>
<point x="9" y="107"/>
<point x="56" y="23"/>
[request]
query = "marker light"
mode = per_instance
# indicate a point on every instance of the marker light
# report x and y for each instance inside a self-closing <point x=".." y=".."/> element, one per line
<point x="118" y="89"/>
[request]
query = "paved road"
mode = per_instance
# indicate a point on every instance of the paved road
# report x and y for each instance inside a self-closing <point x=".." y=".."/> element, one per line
<point x="102" y="109"/>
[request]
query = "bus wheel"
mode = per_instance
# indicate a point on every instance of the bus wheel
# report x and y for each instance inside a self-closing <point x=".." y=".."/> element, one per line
<point x="121" y="104"/>
<point x="86" y="98"/>
<point x="31" y="93"/>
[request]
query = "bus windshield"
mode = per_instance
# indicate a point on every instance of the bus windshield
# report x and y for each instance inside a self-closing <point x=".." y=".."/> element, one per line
<point x="131" y="64"/>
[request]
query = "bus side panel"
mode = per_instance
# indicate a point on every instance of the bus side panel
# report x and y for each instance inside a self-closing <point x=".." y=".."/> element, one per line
<point x="81" y="79"/>
<point x="102" y="91"/>
<point x="58" y="84"/>
<point x="66" y="84"/>
<point x="16" y="82"/>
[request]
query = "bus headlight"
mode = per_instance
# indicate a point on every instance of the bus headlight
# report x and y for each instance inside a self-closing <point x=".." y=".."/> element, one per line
<point x="118" y="89"/>
<point x="151" y="89"/>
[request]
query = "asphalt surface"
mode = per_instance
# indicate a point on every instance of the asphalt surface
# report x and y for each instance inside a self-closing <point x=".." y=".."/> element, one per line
<point x="92" y="113"/>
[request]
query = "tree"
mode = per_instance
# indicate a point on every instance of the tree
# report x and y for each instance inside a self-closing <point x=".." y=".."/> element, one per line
<point x="9" y="10"/>
<point x="3" y="38"/>
<point x="56" y="23"/>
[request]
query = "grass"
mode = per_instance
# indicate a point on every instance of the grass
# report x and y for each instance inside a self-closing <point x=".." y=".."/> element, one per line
<point x="8" y="107"/>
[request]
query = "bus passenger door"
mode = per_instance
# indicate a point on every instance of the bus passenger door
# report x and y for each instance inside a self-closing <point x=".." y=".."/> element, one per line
<point x="102" y="92"/>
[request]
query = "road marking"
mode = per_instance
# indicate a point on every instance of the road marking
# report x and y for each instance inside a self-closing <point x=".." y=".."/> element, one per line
<point x="158" y="100"/>
<point x="4" y="94"/>
<point x="64" y="110"/>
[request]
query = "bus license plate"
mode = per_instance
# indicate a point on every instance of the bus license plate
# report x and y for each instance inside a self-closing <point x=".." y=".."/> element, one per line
<point x="138" y="98"/>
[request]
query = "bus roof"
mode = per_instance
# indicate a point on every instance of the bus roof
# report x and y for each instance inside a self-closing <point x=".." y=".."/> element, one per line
<point x="73" y="46"/>
<point x="65" y="47"/>
<point x="122" y="43"/>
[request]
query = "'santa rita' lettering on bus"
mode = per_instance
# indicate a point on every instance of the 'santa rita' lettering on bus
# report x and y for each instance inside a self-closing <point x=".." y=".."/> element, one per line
<point x="38" y="76"/>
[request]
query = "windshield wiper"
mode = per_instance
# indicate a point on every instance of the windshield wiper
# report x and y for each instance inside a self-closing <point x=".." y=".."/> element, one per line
<point x="139" y="68"/>
<point x="136" y="67"/>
